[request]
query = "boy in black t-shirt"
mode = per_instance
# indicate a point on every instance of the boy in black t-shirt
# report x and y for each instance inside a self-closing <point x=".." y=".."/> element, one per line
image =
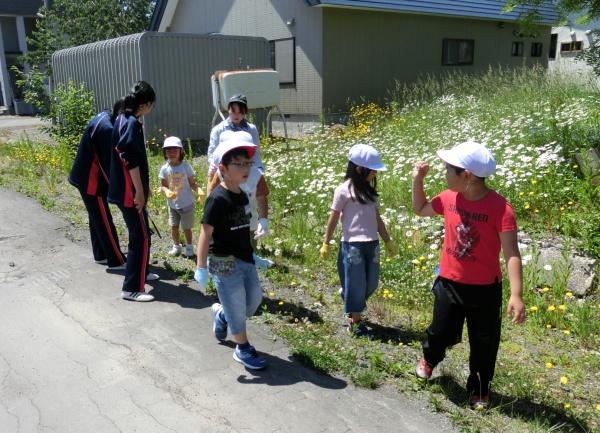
<point x="226" y="220"/>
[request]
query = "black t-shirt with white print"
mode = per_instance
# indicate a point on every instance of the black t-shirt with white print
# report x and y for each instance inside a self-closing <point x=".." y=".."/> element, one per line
<point x="229" y="214"/>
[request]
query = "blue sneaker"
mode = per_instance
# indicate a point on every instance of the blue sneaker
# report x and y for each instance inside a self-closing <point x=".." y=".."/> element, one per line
<point x="219" y="326"/>
<point x="249" y="358"/>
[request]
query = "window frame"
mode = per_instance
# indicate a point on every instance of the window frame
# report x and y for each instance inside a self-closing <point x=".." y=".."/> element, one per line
<point x="286" y="78"/>
<point x="536" y="49"/>
<point x="517" y="49"/>
<point x="462" y="59"/>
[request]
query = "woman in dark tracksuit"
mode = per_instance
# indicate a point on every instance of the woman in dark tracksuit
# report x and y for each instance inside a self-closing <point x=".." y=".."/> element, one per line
<point x="130" y="187"/>
<point x="89" y="174"/>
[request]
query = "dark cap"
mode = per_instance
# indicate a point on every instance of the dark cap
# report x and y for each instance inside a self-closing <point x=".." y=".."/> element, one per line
<point x="238" y="98"/>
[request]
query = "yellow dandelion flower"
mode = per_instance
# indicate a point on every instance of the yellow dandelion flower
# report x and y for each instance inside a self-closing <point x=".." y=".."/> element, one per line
<point x="410" y="247"/>
<point x="570" y="203"/>
<point x="534" y="181"/>
<point x="521" y="193"/>
<point x="575" y="166"/>
<point x="501" y="185"/>
<point x="422" y="258"/>
<point x="388" y="260"/>
<point x="280" y="302"/>
<point x="531" y="193"/>
<point x="549" y="365"/>
<point x="516" y="170"/>
<point x="567" y="332"/>
<point x="386" y="291"/>
<point x="391" y="295"/>
<point x="293" y="283"/>
<point x="402" y="344"/>
<point x="423" y="268"/>
<point x="526" y="206"/>
<point x="569" y="294"/>
<point x="564" y="380"/>
<point x="561" y="307"/>
<point x="598" y="407"/>
<point x="537" y="210"/>
<point x="551" y="308"/>
<point x="271" y="294"/>
<point x="546" y="289"/>
<point x="537" y="384"/>
<point x="548" y="326"/>
<point x="567" y="406"/>
<point x="534" y="308"/>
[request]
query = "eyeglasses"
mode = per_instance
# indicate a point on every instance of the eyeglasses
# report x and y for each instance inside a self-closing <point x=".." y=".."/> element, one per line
<point x="240" y="165"/>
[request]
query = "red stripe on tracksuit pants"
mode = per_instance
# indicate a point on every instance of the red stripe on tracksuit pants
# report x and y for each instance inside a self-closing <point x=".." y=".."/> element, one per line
<point x="139" y="249"/>
<point x="103" y="234"/>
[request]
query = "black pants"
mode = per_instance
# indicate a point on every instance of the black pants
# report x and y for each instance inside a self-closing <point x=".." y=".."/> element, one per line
<point x="481" y="307"/>
<point x="105" y="241"/>
<point x="138" y="256"/>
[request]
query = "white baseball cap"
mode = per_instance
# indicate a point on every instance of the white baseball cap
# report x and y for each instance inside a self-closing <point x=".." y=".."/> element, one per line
<point x="172" y="142"/>
<point x="471" y="156"/>
<point x="366" y="156"/>
<point x="235" y="135"/>
<point x="229" y="145"/>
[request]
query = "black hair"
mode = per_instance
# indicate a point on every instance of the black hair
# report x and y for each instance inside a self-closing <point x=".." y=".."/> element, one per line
<point x="457" y="170"/>
<point x="117" y="108"/>
<point x="365" y="191"/>
<point x="242" y="107"/>
<point x="234" y="154"/>
<point x="181" y="154"/>
<point x="140" y="93"/>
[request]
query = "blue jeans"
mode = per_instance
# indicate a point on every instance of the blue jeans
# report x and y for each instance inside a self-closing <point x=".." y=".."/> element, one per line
<point x="240" y="294"/>
<point x="358" y="268"/>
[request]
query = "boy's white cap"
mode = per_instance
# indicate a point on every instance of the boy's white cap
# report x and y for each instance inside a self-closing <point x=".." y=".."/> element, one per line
<point x="172" y="142"/>
<point x="229" y="145"/>
<point x="236" y="135"/>
<point x="471" y="156"/>
<point x="366" y="156"/>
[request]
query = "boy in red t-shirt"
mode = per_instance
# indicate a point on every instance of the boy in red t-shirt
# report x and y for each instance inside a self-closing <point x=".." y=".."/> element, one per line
<point x="478" y="223"/>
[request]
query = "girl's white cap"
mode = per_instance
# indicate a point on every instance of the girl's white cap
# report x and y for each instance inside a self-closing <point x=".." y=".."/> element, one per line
<point x="172" y="142"/>
<point x="366" y="156"/>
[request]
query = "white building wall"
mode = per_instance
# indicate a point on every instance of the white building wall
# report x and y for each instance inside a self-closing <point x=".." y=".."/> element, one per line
<point x="268" y="19"/>
<point x="572" y="32"/>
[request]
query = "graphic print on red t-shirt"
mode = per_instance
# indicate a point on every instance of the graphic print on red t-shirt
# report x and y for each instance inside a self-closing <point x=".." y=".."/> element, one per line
<point x="464" y="237"/>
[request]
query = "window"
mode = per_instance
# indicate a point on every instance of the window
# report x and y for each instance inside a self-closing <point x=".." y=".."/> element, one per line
<point x="283" y="59"/>
<point x="536" y="49"/>
<point x="571" y="46"/>
<point x="517" y="49"/>
<point x="553" y="44"/>
<point x="457" y="52"/>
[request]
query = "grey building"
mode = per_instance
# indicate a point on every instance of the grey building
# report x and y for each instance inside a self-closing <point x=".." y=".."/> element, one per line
<point x="330" y="53"/>
<point x="17" y="21"/>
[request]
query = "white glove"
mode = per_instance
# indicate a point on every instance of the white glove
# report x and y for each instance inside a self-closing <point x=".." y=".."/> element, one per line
<point x="263" y="228"/>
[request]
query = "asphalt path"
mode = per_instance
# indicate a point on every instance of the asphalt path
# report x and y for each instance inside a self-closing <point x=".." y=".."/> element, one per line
<point x="75" y="357"/>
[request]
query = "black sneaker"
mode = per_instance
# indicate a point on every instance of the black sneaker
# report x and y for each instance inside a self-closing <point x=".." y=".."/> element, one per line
<point x="360" y="330"/>
<point x="479" y="403"/>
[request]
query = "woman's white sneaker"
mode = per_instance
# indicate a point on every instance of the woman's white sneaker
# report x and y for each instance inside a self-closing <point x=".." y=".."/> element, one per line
<point x="152" y="277"/>
<point x="137" y="296"/>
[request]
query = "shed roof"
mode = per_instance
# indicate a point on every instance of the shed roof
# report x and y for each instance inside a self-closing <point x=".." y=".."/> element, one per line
<point x="490" y="9"/>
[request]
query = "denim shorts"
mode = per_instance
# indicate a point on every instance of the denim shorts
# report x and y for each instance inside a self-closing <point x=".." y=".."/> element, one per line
<point x="358" y="268"/>
<point x="239" y="291"/>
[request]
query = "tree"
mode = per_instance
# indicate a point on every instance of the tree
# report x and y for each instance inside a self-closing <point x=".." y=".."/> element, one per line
<point x="587" y="9"/>
<point x="71" y="23"/>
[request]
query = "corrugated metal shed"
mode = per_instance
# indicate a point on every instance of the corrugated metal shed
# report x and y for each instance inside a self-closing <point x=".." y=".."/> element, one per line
<point x="491" y="9"/>
<point x="178" y="66"/>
